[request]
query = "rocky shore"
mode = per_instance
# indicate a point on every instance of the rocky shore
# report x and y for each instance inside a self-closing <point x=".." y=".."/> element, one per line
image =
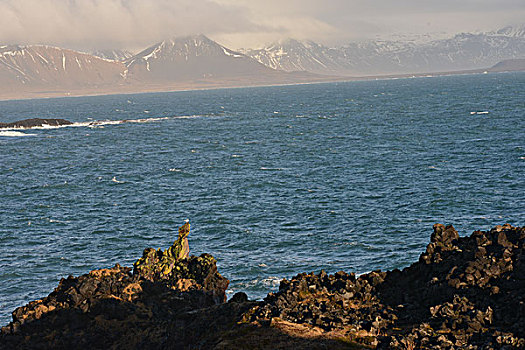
<point x="463" y="293"/>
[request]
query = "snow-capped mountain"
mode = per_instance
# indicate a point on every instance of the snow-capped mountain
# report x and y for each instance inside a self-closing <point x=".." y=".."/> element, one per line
<point x="189" y="62"/>
<point x="197" y="62"/>
<point x="461" y="52"/>
<point x="292" y="55"/>
<point x="512" y="31"/>
<point x="114" y="55"/>
<point x="48" y="66"/>
<point x="191" y="58"/>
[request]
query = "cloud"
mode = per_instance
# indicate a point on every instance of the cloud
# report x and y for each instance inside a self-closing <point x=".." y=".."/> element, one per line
<point x="135" y="24"/>
<point x="342" y="20"/>
<point x="115" y="23"/>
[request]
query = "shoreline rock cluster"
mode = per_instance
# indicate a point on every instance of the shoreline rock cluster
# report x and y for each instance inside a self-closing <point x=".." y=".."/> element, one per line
<point x="463" y="293"/>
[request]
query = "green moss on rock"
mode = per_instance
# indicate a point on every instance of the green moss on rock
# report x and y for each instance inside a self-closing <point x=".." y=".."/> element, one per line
<point x="179" y="271"/>
<point x="158" y="265"/>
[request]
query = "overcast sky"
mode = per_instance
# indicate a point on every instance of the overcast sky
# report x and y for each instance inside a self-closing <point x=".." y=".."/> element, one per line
<point x="135" y="24"/>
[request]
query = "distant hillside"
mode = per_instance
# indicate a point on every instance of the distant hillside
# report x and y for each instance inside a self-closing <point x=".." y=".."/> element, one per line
<point x="509" y="66"/>
<point x="293" y="55"/>
<point x="114" y="55"/>
<point x="39" y="67"/>
<point x="197" y="62"/>
<point x="180" y="63"/>
<point x="462" y="52"/>
<point x="192" y="58"/>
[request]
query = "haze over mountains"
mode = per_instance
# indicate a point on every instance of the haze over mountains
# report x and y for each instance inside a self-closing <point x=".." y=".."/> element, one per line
<point x="462" y="52"/>
<point x="199" y="62"/>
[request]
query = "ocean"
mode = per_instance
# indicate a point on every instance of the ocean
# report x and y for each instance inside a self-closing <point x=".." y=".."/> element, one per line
<point x="274" y="180"/>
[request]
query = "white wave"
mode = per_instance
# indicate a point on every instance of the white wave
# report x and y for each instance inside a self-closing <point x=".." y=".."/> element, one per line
<point x="271" y="282"/>
<point x="271" y="169"/>
<point x="114" y="179"/>
<point x="14" y="134"/>
<point x="268" y="282"/>
<point x="478" y="113"/>
<point x="57" y="221"/>
<point x="101" y="123"/>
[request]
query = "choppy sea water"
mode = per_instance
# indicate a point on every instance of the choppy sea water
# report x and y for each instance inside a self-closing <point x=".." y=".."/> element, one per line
<point x="275" y="180"/>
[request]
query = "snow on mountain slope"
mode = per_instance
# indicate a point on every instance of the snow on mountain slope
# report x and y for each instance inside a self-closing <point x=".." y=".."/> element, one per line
<point x="196" y="61"/>
<point x="293" y="55"/>
<point x="40" y="65"/>
<point x="191" y="58"/>
<point x="511" y="31"/>
<point x="461" y="52"/>
<point x="114" y="55"/>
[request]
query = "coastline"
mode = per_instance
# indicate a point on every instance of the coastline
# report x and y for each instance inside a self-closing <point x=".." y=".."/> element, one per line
<point x="463" y="292"/>
<point x="193" y="86"/>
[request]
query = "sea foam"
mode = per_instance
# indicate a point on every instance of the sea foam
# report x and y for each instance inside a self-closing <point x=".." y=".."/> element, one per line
<point x="10" y="133"/>
<point x="94" y="124"/>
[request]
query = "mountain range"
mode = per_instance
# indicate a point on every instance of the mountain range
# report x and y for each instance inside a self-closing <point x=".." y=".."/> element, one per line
<point x="175" y="64"/>
<point x="461" y="52"/>
<point x="194" y="58"/>
<point x="199" y="62"/>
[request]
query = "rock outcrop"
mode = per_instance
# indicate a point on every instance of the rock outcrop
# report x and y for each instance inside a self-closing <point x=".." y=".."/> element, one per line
<point x="115" y="308"/>
<point x="34" y="123"/>
<point x="463" y="293"/>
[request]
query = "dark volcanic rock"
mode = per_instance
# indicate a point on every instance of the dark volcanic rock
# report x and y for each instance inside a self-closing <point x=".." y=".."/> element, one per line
<point x="176" y="270"/>
<point x="35" y="122"/>
<point x="463" y="293"/>
<point x="111" y="308"/>
<point x="114" y="308"/>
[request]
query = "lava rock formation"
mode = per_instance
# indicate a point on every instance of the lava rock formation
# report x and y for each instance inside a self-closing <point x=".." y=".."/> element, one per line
<point x="463" y="293"/>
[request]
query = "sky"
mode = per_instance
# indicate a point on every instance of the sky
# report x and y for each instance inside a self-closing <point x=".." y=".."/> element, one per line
<point x="137" y="24"/>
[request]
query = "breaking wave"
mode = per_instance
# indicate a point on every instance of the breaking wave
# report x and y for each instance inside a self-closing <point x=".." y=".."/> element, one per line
<point x="92" y="124"/>
<point x="14" y="134"/>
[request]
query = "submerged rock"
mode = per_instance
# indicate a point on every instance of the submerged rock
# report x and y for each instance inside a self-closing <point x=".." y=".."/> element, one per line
<point x="464" y="292"/>
<point x="35" y="122"/>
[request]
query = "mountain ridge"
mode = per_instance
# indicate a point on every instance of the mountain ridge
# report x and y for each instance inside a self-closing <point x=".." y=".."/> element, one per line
<point x="197" y="62"/>
<point x="192" y="62"/>
<point x="462" y="51"/>
<point x="113" y="54"/>
<point x="190" y="57"/>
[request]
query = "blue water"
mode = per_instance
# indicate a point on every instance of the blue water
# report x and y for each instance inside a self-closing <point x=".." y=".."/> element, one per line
<point x="275" y="180"/>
